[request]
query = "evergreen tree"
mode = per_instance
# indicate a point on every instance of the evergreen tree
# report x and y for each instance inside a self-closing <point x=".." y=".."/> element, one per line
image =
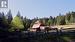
<point x="18" y="14"/>
<point x="17" y="24"/>
<point x="60" y="20"/>
<point x="26" y="23"/>
<point x="3" y="22"/>
<point x="9" y="16"/>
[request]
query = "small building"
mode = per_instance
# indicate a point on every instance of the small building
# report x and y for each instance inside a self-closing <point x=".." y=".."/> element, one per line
<point x="37" y="26"/>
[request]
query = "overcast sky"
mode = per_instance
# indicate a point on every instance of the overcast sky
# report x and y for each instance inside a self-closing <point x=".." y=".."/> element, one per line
<point x="40" y="8"/>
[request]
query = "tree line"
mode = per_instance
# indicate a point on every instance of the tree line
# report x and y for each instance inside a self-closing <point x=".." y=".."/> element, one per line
<point x="20" y="23"/>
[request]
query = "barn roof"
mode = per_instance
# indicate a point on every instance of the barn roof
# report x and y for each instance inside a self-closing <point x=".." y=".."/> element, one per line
<point x="36" y="24"/>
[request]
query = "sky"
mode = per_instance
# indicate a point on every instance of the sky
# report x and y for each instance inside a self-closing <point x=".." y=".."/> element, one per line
<point x="39" y="8"/>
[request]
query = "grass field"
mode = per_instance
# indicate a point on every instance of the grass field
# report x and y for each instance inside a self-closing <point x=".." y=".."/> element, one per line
<point x="64" y="26"/>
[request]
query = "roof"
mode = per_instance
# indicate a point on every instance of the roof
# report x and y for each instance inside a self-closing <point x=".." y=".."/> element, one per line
<point x="36" y="24"/>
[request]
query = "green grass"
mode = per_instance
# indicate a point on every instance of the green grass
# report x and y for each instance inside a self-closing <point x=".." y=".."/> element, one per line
<point x="67" y="38"/>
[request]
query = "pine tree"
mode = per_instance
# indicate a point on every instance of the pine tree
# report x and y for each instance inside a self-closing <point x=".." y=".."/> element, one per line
<point x="17" y="23"/>
<point x="9" y="16"/>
